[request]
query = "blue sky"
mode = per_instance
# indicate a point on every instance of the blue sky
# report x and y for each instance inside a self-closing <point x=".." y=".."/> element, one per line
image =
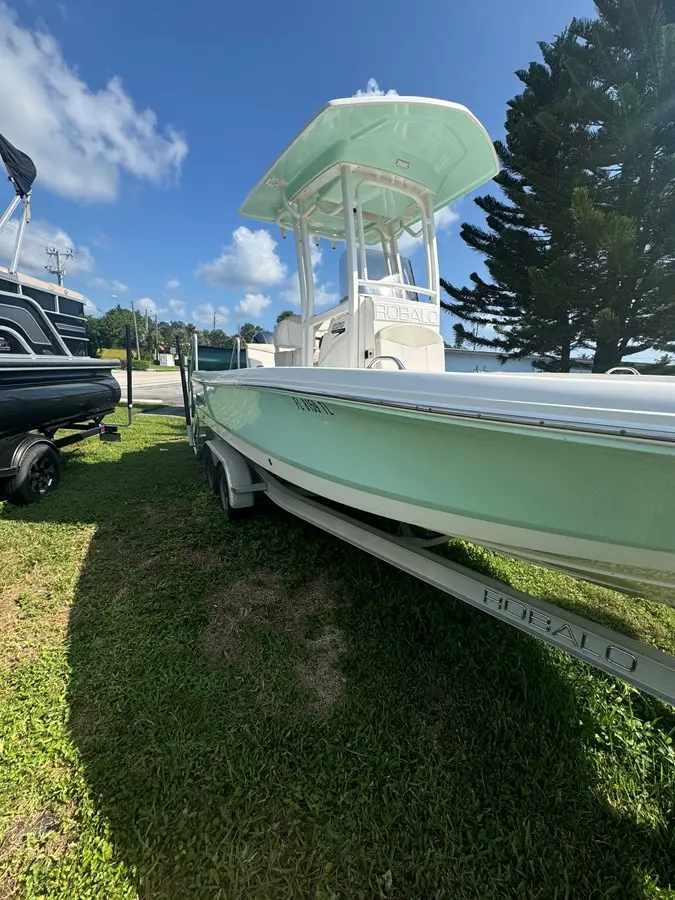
<point x="149" y="123"/>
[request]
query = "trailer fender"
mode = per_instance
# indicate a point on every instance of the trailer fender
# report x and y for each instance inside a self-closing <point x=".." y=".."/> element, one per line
<point x="13" y="450"/>
<point x="241" y="487"/>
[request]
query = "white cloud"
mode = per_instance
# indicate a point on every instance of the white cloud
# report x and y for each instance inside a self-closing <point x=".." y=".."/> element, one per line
<point x="80" y="139"/>
<point x="178" y="307"/>
<point x="291" y="293"/>
<point x="38" y="236"/>
<point x="323" y="296"/>
<point x="445" y="217"/>
<point x="171" y="285"/>
<point x="374" y="90"/>
<point x="203" y="315"/>
<point x="249" y="263"/>
<point x="316" y="254"/>
<point x="100" y="239"/>
<point x="146" y="304"/>
<point x="443" y="220"/>
<point x="107" y="284"/>
<point x="252" y="305"/>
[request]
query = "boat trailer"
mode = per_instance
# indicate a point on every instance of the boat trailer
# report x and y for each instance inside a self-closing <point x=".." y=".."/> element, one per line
<point x="30" y="462"/>
<point x="238" y="481"/>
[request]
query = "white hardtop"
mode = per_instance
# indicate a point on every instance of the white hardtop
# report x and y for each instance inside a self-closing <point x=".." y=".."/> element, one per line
<point x="365" y="171"/>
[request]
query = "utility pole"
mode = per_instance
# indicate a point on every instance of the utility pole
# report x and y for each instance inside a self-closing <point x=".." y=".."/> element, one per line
<point x="138" y="346"/>
<point x="58" y="269"/>
<point x="214" y="321"/>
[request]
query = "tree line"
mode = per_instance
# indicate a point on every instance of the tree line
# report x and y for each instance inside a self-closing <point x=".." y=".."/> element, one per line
<point x="579" y="240"/>
<point x="107" y="332"/>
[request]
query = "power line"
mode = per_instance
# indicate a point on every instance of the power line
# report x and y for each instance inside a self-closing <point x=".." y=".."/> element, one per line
<point x="12" y="228"/>
<point x="59" y="269"/>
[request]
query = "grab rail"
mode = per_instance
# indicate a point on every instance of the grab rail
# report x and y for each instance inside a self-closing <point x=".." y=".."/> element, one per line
<point x="392" y="358"/>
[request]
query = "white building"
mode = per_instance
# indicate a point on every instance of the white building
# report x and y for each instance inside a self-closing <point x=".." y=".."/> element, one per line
<point x="461" y="360"/>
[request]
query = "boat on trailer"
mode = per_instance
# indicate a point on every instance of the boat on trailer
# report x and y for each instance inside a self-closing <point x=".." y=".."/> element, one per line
<point x="48" y="381"/>
<point x="567" y="471"/>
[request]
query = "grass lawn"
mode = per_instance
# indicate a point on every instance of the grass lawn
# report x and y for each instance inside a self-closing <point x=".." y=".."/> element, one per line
<point x="191" y="708"/>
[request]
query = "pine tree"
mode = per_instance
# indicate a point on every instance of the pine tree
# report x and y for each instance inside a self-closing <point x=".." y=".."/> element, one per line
<point x="626" y="216"/>
<point x="530" y="298"/>
<point x="580" y="252"/>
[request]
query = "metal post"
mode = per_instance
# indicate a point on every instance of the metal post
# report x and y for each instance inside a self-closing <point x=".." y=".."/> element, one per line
<point x="307" y="351"/>
<point x="302" y="282"/>
<point x="9" y="212"/>
<point x="24" y="220"/>
<point x="352" y="266"/>
<point x="184" y="387"/>
<point x="396" y="254"/>
<point x="362" y="242"/>
<point x="138" y="346"/>
<point x="388" y="258"/>
<point x="434" y="275"/>
<point x="127" y="344"/>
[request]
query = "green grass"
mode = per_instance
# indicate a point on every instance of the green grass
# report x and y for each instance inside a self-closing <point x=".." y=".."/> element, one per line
<point x="191" y="708"/>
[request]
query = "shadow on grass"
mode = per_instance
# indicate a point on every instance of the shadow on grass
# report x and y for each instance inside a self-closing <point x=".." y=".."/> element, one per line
<point x="463" y="759"/>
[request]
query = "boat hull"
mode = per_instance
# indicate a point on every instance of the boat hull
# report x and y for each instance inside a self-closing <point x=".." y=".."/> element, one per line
<point x="595" y="506"/>
<point x="46" y="398"/>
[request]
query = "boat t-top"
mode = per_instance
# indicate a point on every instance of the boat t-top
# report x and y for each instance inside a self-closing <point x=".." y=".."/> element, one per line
<point x="573" y="472"/>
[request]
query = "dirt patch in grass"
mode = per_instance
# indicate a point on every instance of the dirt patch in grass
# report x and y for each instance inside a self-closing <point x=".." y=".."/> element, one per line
<point x="264" y="601"/>
<point x="314" y="600"/>
<point x="237" y="605"/>
<point x="9" y="611"/>
<point x="321" y="672"/>
<point x="41" y="825"/>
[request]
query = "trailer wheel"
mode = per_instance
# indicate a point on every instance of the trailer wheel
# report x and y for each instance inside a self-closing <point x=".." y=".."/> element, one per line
<point x="224" y="493"/>
<point x="39" y="474"/>
<point x="211" y="470"/>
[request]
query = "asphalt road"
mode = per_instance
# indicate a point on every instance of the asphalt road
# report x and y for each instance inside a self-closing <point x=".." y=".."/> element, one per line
<point x="164" y="386"/>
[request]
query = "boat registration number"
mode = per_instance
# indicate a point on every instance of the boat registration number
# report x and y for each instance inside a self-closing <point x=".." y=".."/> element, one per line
<point x="307" y="404"/>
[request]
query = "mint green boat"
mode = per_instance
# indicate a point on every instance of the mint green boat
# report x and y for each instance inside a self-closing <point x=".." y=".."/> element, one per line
<point x="573" y="472"/>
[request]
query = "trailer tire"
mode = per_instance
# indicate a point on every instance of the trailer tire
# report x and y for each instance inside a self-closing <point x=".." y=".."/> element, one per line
<point x="224" y="493"/>
<point x="39" y="474"/>
<point x="211" y="467"/>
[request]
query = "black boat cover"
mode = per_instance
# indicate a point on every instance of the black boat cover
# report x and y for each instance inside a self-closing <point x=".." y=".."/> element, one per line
<point x="20" y="167"/>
